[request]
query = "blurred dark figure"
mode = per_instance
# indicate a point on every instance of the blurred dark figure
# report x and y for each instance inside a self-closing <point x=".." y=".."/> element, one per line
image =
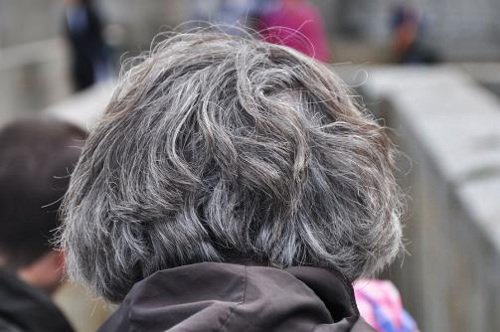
<point x="84" y="30"/>
<point x="408" y="42"/>
<point x="36" y="157"/>
<point x="296" y="24"/>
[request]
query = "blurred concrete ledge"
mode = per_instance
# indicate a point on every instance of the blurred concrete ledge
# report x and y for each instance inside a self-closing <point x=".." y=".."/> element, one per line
<point x="448" y="128"/>
<point x="487" y="74"/>
<point x="85" y="108"/>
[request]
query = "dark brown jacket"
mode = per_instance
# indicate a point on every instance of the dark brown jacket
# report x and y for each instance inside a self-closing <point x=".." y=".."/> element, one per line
<point x="226" y="297"/>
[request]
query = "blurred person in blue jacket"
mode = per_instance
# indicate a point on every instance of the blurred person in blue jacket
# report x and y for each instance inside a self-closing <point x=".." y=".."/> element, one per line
<point x="83" y="28"/>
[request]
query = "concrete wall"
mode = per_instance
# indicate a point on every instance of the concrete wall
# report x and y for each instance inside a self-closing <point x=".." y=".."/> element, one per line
<point x="28" y="21"/>
<point x="448" y="129"/>
<point x="32" y="76"/>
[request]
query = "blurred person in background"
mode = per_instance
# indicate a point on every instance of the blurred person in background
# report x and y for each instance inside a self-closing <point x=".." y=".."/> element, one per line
<point x="36" y="158"/>
<point x="90" y="58"/>
<point x="380" y="304"/>
<point x="232" y="185"/>
<point x="293" y="23"/>
<point x="408" y="44"/>
<point x="296" y="24"/>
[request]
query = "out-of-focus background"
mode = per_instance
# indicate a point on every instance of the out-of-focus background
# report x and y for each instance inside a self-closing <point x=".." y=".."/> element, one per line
<point x="429" y="68"/>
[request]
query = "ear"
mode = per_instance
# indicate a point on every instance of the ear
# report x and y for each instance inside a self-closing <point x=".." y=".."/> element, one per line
<point x="46" y="273"/>
<point x="59" y="261"/>
<point x="55" y="267"/>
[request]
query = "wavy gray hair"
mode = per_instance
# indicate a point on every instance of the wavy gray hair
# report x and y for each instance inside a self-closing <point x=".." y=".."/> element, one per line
<point x="219" y="148"/>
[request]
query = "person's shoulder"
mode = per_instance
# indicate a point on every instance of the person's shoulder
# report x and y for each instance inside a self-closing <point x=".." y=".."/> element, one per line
<point x="7" y="326"/>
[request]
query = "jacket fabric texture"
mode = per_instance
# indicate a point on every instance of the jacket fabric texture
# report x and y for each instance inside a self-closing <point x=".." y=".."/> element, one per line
<point x="227" y="297"/>
<point x="26" y="308"/>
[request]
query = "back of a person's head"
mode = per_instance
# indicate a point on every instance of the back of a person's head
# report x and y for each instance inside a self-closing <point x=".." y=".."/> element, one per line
<point x="36" y="158"/>
<point x="228" y="149"/>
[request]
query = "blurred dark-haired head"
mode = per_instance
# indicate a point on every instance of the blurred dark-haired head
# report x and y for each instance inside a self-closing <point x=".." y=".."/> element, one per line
<point x="36" y="159"/>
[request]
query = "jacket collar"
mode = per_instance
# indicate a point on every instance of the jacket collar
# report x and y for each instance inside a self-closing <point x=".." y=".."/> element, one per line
<point x="228" y="297"/>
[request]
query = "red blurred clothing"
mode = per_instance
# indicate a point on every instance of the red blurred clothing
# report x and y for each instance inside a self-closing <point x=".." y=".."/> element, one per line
<point x="296" y="24"/>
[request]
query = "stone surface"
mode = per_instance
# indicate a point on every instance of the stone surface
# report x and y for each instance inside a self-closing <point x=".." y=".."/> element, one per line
<point x="448" y="128"/>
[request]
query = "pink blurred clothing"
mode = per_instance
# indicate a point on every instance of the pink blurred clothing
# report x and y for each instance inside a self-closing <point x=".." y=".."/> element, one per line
<point x="380" y="305"/>
<point x="296" y="24"/>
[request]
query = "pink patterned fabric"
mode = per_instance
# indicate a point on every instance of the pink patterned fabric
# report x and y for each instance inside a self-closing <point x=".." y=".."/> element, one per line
<point x="380" y="305"/>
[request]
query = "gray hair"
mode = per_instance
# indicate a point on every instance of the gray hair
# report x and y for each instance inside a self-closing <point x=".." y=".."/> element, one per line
<point x="219" y="148"/>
